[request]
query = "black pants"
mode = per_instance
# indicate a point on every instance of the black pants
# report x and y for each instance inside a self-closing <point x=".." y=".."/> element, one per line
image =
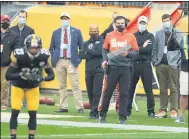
<point x="143" y="70"/>
<point x="94" y="88"/>
<point x="116" y="75"/>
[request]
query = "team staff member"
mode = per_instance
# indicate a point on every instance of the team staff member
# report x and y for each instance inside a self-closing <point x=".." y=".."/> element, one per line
<point x="21" y="28"/>
<point x="142" y="66"/>
<point x="65" y="43"/>
<point x="24" y="72"/>
<point x="9" y="41"/>
<point x="118" y="67"/>
<point x="92" y="52"/>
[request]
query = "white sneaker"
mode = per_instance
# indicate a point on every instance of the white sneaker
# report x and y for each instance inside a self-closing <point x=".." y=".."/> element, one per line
<point x="180" y="119"/>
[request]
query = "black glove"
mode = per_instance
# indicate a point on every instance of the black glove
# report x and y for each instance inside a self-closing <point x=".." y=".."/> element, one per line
<point x="35" y="78"/>
<point x="25" y="75"/>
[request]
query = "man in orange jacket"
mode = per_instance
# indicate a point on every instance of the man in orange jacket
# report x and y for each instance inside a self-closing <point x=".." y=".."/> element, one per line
<point x="118" y="67"/>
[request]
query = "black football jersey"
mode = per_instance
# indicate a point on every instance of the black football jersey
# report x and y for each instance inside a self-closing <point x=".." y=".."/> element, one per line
<point x="26" y="64"/>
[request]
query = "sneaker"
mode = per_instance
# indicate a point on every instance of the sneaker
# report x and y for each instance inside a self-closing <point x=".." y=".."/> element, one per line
<point x="102" y="120"/>
<point x="80" y="111"/>
<point x="93" y="117"/>
<point x="161" y="114"/>
<point x="180" y="119"/>
<point x="151" y="115"/>
<point x="123" y="122"/>
<point x="129" y="116"/>
<point x="174" y="114"/>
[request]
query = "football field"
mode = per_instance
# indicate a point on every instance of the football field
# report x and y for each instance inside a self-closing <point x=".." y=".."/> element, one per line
<point x="53" y="125"/>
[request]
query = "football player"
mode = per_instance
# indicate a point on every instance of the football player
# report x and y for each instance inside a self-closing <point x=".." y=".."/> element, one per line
<point x="25" y="74"/>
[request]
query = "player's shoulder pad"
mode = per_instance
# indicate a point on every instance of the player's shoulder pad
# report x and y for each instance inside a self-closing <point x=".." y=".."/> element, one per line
<point x="16" y="54"/>
<point x="45" y="52"/>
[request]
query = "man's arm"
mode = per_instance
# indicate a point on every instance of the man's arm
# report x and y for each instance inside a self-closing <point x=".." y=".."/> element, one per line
<point x="148" y="48"/>
<point x="80" y="39"/>
<point x="13" y="72"/>
<point x="96" y="52"/>
<point x="105" y="49"/>
<point x="83" y="53"/>
<point x="133" y="54"/>
<point x="49" y="71"/>
<point x="32" y="31"/>
<point x="52" y="45"/>
<point x="109" y="29"/>
<point x="16" y="43"/>
<point x="155" y="49"/>
<point x="182" y="49"/>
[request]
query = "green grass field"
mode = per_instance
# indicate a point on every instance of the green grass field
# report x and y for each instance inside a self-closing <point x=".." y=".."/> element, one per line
<point x="65" y="132"/>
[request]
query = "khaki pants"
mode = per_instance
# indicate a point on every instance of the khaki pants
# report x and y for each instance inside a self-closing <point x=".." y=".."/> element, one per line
<point x="64" y="68"/>
<point x="4" y="87"/>
<point x="167" y="78"/>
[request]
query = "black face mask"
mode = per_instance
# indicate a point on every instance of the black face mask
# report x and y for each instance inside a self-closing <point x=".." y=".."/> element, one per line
<point x="120" y="28"/>
<point x="5" y="25"/>
<point x="94" y="36"/>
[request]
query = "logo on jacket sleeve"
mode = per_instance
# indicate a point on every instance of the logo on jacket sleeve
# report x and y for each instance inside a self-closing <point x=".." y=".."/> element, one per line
<point x="41" y="63"/>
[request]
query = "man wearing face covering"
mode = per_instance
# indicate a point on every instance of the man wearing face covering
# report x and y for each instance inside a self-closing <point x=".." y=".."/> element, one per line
<point x="167" y="59"/>
<point x="92" y="52"/>
<point x="142" y="66"/>
<point x="22" y="29"/>
<point x="9" y="41"/>
<point x="64" y="46"/>
<point x="118" y="67"/>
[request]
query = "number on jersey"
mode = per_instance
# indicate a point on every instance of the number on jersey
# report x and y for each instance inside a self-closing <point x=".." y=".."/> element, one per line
<point x="32" y="71"/>
<point x="45" y="51"/>
<point x="19" y="51"/>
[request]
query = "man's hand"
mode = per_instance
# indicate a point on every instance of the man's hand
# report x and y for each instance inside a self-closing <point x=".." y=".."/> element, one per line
<point x="124" y="53"/>
<point x="104" y="64"/>
<point x="35" y="78"/>
<point x="25" y="75"/>
<point x="146" y="43"/>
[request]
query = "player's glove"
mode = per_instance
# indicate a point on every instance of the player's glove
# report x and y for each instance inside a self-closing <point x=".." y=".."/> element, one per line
<point x="25" y="75"/>
<point x="35" y="78"/>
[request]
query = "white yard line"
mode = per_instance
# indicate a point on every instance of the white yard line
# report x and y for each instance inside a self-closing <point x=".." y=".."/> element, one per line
<point x="102" y="134"/>
<point x="5" y="117"/>
<point x="98" y="125"/>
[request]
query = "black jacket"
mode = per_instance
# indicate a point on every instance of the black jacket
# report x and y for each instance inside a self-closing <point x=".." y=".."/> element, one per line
<point x="8" y="43"/>
<point x="144" y="53"/>
<point x="22" y="34"/>
<point x="92" y="52"/>
<point x="106" y="31"/>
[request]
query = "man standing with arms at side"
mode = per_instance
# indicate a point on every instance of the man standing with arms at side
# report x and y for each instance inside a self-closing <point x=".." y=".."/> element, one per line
<point x="92" y="52"/>
<point x="118" y="67"/>
<point x="64" y="56"/>
<point x="167" y="67"/>
<point x="142" y="66"/>
<point x="21" y="28"/>
<point x="9" y="41"/>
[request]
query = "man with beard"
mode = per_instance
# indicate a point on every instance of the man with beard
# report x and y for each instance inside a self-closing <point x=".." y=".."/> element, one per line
<point x="118" y="70"/>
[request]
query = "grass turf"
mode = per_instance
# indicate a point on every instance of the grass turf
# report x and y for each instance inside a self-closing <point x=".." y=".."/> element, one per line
<point x="139" y="118"/>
